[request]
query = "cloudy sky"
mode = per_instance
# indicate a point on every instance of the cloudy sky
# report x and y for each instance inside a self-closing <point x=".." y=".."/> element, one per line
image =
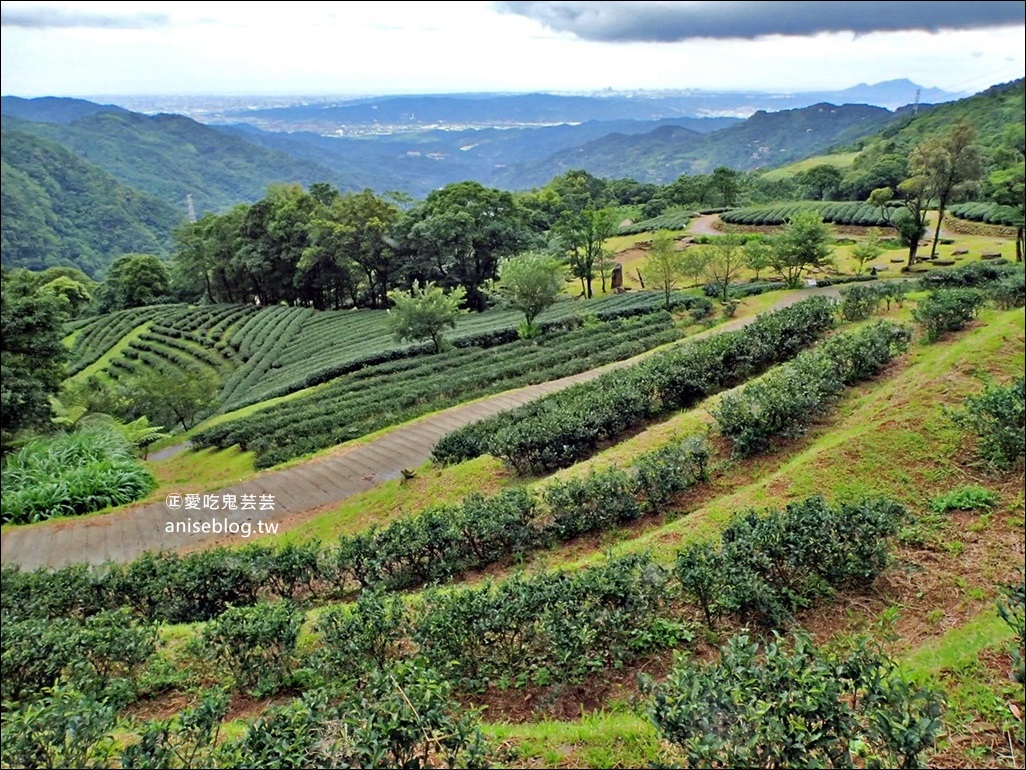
<point x="122" y="48"/>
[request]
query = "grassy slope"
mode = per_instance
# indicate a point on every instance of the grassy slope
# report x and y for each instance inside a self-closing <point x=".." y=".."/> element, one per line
<point x="841" y="160"/>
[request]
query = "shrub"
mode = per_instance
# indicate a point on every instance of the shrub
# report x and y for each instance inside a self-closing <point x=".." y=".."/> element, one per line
<point x="781" y="562"/>
<point x="368" y="631"/>
<point x="792" y="705"/>
<point x="1009" y="292"/>
<point x="860" y="302"/>
<point x="674" y="468"/>
<point x="783" y="401"/>
<point x="947" y="310"/>
<point x="405" y="716"/>
<point x="256" y="644"/>
<point x="997" y="417"/>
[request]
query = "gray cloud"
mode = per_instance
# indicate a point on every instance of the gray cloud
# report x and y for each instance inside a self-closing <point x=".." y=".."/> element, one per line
<point x="674" y="21"/>
<point x="67" y="18"/>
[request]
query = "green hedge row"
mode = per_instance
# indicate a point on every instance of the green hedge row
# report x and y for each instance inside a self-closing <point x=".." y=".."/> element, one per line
<point x="560" y="429"/>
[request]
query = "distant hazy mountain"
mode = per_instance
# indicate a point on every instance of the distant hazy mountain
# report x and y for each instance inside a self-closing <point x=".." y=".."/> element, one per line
<point x="61" y="210"/>
<point x="766" y="139"/>
<point x="52" y="109"/>
<point x="423" y="161"/>
<point x="395" y="113"/>
<point x="171" y="156"/>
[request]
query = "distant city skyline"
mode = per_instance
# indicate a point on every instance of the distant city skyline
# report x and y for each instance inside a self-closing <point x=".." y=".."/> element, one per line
<point x="349" y="48"/>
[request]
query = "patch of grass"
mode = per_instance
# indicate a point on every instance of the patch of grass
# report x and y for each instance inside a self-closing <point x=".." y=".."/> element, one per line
<point x="841" y="160"/>
<point x="598" y="739"/>
<point x="968" y="498"/>
<point x="200" y="471"/>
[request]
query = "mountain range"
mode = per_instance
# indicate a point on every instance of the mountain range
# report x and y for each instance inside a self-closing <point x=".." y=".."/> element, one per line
<point x="59" y="154"/>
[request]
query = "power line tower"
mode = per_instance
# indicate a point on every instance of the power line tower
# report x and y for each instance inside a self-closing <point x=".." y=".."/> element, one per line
<point x="915" y="104"/>
<point x="192" y="208"/>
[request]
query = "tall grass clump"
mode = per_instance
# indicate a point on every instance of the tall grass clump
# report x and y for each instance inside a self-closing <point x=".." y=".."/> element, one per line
<point x="71" y="474"/>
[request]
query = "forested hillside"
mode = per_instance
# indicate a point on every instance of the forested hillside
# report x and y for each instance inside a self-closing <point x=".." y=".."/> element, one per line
<point x="61" y="210"/>
<point x="171" y="156"/>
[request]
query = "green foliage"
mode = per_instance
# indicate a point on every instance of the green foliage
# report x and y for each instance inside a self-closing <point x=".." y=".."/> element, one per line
<point x="368" y="632"/>
<point x="393" y="391"/>
<point x="665" y="263"/>
<point x="803" y="244"/>
<point x="968" y="498"/>
<point x="947" y="310"/>
<point x="32" y="355"/>
<point x="560" y="429"/>
<point x="255" y="644"/>
<point x="546" y="627"/>
<point x="72" y="474"/>
<point x="59" y="209"/>
<point x="676" y="219"/>
<point x="286" y="736"/>
<point x="997" y="417"/>
<point x="1012" y="610"/>
<point x="175" y="396"/>
<point x="405" y="716"/>
<point x="785" y="400"/>
<point x="529" y="283"/>
<point x="767" y="567"/>
<point x="63" y="728"/>
<point x="135" y="280"/>
<point x="424" y="313"/>
<point x="792" y="705"/>
<point x="833" y="212"/>
<point x="860" y="302"/>
<point x="187" y="740"/>
<point x="988" y="212"/>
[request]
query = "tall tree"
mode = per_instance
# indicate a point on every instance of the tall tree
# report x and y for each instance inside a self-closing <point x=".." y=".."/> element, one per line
<point x="1007" y="187"/>
<point x="354" y="230"/>
<point x="31" y="352"/>
<point x="666" y="263"/>
<point x="821" y="182"/>
<point x="582" y="239"/>
<point x="727" y="184"/>
<point x="958" y="170"/>
<point x="803" y="244"/>
<point x="424" y="312"/>
<point x="134" y="280"/>
<point x="725" y="262"/>
<point x="458" y="235"/>
<point x="529" y="282"/>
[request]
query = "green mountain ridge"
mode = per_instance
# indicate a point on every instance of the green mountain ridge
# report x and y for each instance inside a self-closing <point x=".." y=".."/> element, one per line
<point x="61" y="210"/>
<point x="171" y="156"/>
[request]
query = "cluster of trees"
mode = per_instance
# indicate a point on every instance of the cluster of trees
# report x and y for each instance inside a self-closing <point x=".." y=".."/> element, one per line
<point x="325" y="249"/>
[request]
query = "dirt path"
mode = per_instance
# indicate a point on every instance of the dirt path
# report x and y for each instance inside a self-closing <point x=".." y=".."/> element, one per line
<point x="126" y="534"/>
<point x="703" y="225"/>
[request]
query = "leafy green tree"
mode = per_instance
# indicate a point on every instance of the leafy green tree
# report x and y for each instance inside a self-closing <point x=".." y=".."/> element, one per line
<point x="32" y="355"/>
<point x="758" y="255"/>
<point x="1007" y="187"/>
<point x="820" y="183"/>
<point x="727" y="184"/>
<point x="273" y="236"/>
<point x="958" y="170"/>
<point x="582" y="237"/>
<point x="134" y="280"/>
<point x="666" y="263"/>
<point x="458" y="235"/>
<point x="725" y="262"/>
<point x="803" y="244"/>
<point x="176" y="396"/>
<point x="424" y="312"/>
<point x="73" y="294"/>
<point x="529" y="282"/>
<point x="867" y="251"/>
<point x="916" y="193"/>
<point x="351" y="234"/>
